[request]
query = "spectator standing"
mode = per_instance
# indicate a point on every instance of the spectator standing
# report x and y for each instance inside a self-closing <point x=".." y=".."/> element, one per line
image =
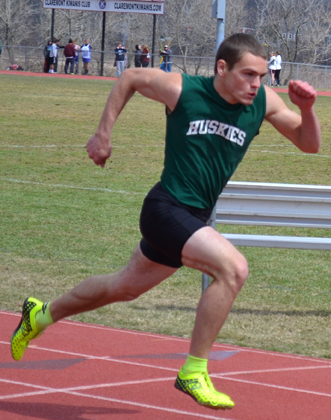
<point x="272" y="67"/>
<point x="47" y="51"/>
<point x="86" y="55"/>
<point x="77" y="49"/>
<point x="120" y="52"/>
<point x="137" y="56"/>
<point x="167" y="60"/>
<point x="53" y="56"/>
<point x="69" y="53"/>
<point x="56" y="41"/>
<point x="145" y="56"/>
<point x="278" y="68"/>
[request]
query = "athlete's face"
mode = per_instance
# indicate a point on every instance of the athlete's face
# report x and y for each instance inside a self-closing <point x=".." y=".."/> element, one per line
<point x="242" y="82"/>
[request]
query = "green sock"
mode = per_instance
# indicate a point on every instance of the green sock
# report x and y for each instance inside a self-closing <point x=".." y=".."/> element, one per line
<point x="44" y="317"/>
<point x="194" y="364"/>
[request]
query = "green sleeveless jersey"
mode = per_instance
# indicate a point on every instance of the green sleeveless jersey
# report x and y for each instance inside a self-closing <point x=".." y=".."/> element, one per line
<point x="206" y="139"/>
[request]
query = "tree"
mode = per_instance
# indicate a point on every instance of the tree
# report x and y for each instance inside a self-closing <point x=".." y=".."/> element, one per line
<point x="238" y="17"/>
<point x="190" y="26"/>
<point x="298" y="28"/>
<point x="13" y="13"/>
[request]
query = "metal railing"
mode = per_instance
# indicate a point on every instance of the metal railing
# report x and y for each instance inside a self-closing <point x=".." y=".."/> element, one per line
<point x="268" y="204"/>
<point x="102" y="63"/>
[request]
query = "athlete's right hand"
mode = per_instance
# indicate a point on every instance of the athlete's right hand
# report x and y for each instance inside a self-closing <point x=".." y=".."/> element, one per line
<point x="99" y="149"/>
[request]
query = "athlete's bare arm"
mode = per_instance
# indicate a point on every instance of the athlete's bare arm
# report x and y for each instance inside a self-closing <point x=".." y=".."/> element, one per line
<point x="152" y="83"/>
<point x="303" y="130"/>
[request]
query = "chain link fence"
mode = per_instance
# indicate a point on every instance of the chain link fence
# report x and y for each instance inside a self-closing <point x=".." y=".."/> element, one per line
<point x="32" y="59"/>
<point x="317" y="76"/>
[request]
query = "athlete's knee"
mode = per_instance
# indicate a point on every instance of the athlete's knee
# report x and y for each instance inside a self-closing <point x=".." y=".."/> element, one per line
<point x="241" y="272"/>
<point x="234" y="273"/>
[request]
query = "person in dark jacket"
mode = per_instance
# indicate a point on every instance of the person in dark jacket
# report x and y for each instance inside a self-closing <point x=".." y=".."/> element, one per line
<point x="137" y="56"/>
<point x="120" y="52"/>
<point x="145" y="56"/>
<point x="47" y="51"/>
<point x="167" y="62"/>
<point x="69" y="53"/>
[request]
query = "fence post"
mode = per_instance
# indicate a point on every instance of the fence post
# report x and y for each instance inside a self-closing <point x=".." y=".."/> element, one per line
<point x="103" y="42"/>
<point x="26" y="65"/>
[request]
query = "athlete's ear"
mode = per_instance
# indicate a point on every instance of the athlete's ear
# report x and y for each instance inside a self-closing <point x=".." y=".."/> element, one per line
<point x="221" y="67"/>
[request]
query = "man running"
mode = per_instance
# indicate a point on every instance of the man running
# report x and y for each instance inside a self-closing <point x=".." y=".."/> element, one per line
<point x="210" y="124"/>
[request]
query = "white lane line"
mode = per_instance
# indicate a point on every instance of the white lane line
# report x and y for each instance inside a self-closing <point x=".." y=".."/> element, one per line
<point x="271" y="145"/>
<point x="132" y="363"/>
<point x="45" y="389"/>
<point x="74" y="187"/>
<point x="224" y="375"/>
<point x="71" y="391"/>
<point x="317" y="155"/>
<point x="41" y="146"/>
<point x="105" y="358"/>
<point x="153" y="407"/>
<point x="216" y="375"/>
<point x="263" y="384"/>
<point x="185" y="340"/>
<point x="248" y="372"/>
<point x="27" y="394"/>
<point x="116" y="384"/>
<point x="81" y="146"/>
<point x="252" y="148"/>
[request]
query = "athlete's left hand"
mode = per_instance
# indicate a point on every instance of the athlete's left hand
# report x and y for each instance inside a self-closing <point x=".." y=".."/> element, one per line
<point x="302" y="94"/>
<point x="99" y="149"/>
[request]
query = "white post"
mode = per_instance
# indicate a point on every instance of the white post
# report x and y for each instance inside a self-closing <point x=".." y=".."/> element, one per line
<point x="218" y="12"/>
<point x="220" y="32"/>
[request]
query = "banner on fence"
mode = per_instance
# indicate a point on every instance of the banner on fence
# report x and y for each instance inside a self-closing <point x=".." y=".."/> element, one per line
<point x="136" y="6"/>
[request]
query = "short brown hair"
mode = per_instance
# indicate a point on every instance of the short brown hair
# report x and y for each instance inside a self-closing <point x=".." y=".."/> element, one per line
<point x="235" y="46"/>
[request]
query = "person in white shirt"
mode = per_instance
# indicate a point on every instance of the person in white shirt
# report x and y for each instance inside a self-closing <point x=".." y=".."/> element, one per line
<point x="53" y="55"/>
<point x="86" y="55"/>
<point x="272" y="67"/>
<point x="278" y="68"/>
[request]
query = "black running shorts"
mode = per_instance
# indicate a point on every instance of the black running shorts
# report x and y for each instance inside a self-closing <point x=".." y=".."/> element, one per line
<point x="166" y="225"/>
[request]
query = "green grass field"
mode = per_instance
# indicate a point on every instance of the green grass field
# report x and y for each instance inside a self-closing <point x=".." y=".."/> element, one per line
<point x="63" y="218"/>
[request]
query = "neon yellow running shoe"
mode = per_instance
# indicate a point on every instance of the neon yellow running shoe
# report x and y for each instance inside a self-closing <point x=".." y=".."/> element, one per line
<point x="199" y="386"/>
<point x="26" y="329"/>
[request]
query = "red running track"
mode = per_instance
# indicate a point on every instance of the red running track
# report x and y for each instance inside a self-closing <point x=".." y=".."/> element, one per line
<point x="79" y="371"/>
